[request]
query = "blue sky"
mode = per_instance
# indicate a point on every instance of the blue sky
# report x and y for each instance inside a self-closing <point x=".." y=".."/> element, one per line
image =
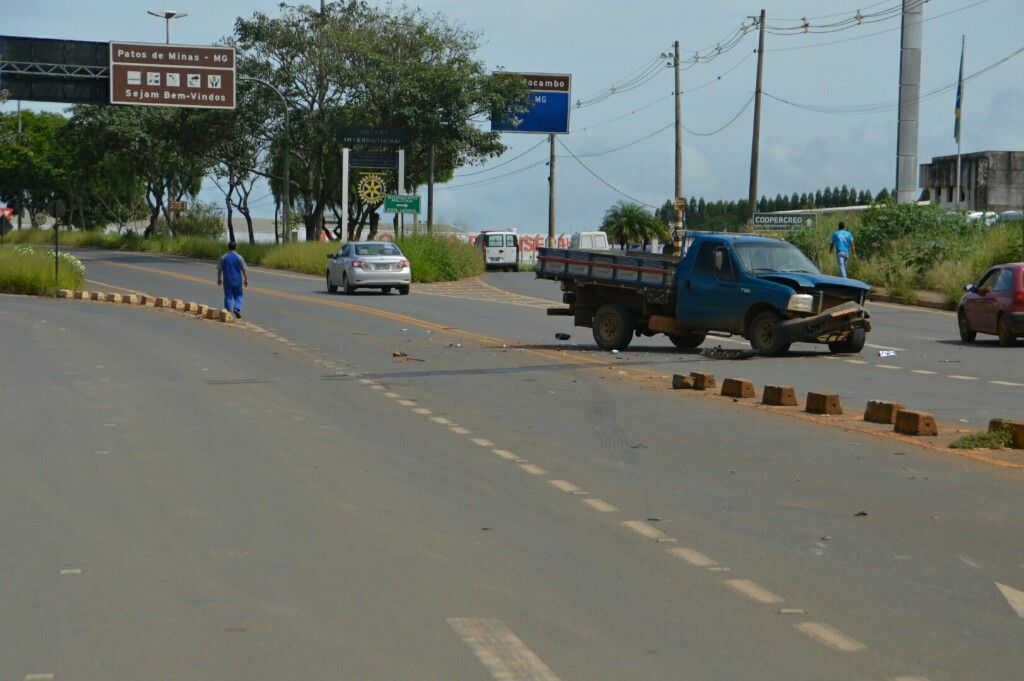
<point x="600" y="42"/>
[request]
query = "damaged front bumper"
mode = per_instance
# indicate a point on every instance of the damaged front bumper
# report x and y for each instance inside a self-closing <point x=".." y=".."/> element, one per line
<point x="832" y="324"/>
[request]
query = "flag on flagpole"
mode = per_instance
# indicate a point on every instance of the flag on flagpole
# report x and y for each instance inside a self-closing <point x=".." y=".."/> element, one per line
<point x="959" y="92"/>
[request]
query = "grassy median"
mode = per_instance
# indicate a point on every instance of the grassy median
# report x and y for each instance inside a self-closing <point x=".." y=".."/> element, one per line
<point x="906" y="248"/>
<point x="432" y="258"/>
<point x="26" y="271"/>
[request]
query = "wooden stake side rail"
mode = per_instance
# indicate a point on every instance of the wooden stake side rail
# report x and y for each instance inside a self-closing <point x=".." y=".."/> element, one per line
<point x="648" y="270"/>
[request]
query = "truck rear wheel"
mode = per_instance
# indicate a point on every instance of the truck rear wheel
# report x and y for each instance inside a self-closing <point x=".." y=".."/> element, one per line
<point x="688" y="341"/>
<point x="613" y="327"/>
<point x="766" y="335"/>
<point x="852" y="344"/>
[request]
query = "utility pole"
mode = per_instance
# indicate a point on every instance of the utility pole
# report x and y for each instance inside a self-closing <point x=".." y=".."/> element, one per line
<point x="677" y="235"/>
<point x="551" y="194"/>
<point x="430" y="191"/>
<point x="959" y="112"/>
<point x="21" y="192"/>
<point x="755" y="142"/>
<point x="909" y="102"/>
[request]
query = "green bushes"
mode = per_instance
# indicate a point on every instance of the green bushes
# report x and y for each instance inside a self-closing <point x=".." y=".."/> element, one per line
<point x="26" y="271"/>
<point x="905" y="248"/>
<point x="201" y="219"/>
<point x="432" y="258"/>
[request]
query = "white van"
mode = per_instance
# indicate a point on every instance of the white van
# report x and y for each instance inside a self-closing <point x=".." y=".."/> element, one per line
<point x="500" y="248"/>
<point x="589" y="241"/>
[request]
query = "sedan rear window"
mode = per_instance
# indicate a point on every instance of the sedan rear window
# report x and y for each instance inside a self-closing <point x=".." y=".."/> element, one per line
<point x="377" y="249"/>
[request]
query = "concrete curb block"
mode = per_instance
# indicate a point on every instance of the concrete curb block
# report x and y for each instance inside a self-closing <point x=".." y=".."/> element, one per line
<point x="65" y="293"/>
<point x="779" y="396"/>
<point x="211" y="313"/>
<point x="81" y="295"/>
<point x="178" y="305"/>
<point x="740" y="388"/>
<point x="130" y="299"/>
<point x="191" y="307"/>
<point x="824" y="403"/>
<point x="97" y="296"/>
<point x="703" y="381"/>
<point x="1016" y="427"/>
<point x="680" y="382"/>
<point x="225" y="316"/>
<point x="162" y="302"/>
<point x="202" y="310"/>
<point x="910" y="422"/>
<point x="878" y="411"/>
<point x="113" y="298"/>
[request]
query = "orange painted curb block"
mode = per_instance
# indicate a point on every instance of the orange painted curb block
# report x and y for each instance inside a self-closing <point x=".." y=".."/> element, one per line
<point x="910" y="422"/>
<point x="824" y="403"/>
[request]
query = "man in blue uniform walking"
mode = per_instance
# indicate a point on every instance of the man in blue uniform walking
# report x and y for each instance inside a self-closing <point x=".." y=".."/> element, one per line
<point x="232" y="272"/>
<point x="842" y="246"/>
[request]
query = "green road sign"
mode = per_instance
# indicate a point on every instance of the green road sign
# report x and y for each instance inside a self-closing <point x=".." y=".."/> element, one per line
<point x="402" y="203"/>
<point x="783" y="221"/>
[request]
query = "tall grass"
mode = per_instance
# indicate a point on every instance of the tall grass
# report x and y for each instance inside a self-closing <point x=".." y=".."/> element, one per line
<point x="25" y="271"/>
<point x="913" y="248"/>
<point x="432" y="258"/>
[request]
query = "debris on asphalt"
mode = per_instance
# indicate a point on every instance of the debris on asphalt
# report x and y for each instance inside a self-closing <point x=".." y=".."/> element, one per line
<point x="399" y="353"/>
<point x="455" y="345"/>
<point x="949" y="361"/>
<point x="562" y="336"/>
<point x="718" y="352"/>
<point x="860" y="514"/>
<point x="886" y="353"/>
<point x="636" y="446"/>
<point x="615" y="352"/>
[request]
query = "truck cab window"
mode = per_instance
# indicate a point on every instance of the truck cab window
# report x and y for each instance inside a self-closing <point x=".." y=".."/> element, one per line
<point x="704" y="265"/>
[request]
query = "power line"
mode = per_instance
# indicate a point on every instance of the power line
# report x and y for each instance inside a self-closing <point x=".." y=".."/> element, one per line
<point x="490" y="180"/>
<point x="857" y="19"/>
<point x="602" y="180"/>
<point x="730" y="122"/>
<point x="503" y="163"/>
<point x="870" y="35"/>
<point x="659" y="100"/>
<point x="888" y="105"/>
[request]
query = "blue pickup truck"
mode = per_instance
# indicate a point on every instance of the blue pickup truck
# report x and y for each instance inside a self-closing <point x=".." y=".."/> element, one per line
<point x="762" y="289"/>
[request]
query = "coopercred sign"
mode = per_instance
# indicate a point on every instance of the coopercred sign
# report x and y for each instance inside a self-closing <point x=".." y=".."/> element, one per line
<point x="192" y="76"/>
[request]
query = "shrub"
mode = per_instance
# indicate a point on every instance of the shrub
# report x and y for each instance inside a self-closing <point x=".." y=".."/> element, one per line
<point x="202" y="220"/>
<point x="440" y="258"/>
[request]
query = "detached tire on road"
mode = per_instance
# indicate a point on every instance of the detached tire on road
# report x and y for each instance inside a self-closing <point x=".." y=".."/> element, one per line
<point x="613" y="327"/>
<point x="766" y="335"/>
<point x="852" y="344"/>
<point x="688" y="341"/>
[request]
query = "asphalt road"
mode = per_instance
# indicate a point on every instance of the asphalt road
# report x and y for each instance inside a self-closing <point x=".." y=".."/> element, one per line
<point x="286" y="499"/>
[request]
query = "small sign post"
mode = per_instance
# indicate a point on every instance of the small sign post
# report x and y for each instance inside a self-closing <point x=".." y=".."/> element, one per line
<point x="783" y="222"/>
<point x="402" y="203"/>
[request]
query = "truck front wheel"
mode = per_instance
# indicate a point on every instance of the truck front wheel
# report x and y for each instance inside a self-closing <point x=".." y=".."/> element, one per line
<point x="613" y="327"/>
<point x="688" y="341"/>
<point x="852" y="344"/>
<point x="766" y="335"/>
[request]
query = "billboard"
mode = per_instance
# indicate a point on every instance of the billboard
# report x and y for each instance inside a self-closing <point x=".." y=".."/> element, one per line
<point x="548" y="105"/>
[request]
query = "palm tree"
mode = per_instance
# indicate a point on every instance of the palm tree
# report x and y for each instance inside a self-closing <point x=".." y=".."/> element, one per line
<point x="628" y="223"/>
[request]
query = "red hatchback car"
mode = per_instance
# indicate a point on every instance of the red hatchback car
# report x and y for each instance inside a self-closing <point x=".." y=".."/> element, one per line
<point x="994" y="305"/>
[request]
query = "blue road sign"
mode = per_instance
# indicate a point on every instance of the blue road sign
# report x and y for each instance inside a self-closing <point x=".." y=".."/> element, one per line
<point x="548" y="103"/>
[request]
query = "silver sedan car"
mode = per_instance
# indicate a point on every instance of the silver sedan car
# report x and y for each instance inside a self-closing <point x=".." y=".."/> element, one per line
<point x="369" y="264"/>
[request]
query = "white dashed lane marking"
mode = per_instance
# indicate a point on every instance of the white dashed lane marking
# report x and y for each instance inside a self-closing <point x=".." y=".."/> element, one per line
<point x="532" y="470"/>
<point x="962" y="378"/>
<point x="885" y="347"/>
<point x="826" y="635"/>
<point x="753" y="591"/>
<point x="407" y="403"/>
<point x="1008" y="383"/>
<point x="500" y="651"/>
<point x="600" y="505"/>
<point x="925" y="372"/>
<point x="695" y="558"/>
<point x="459" y="430"/>
<point x="856" y="361"/>
<point x="564" y="485"/>
<point x="643" y="529"/>
<point x="482" y="442"/>
<point x="505" y="454"/>
<point x="887" y="366"/>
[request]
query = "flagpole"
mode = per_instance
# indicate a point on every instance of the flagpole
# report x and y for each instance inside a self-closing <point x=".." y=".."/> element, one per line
<point x="959" y="114"/>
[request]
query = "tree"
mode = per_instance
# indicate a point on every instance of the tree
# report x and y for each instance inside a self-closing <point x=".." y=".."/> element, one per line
<point x="628" y="223"/>
<point x="359" y="65"/>
<point x="882" y="196"/>
<point x="30" y="167"/>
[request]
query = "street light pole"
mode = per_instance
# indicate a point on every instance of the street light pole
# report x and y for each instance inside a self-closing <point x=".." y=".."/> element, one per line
<point x="285" y="194"/>
<point x="167" y="15"/>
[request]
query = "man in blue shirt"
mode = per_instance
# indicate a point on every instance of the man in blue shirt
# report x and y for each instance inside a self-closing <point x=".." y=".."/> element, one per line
<point x="232" y="272"/>
<point x="842" y="246"/>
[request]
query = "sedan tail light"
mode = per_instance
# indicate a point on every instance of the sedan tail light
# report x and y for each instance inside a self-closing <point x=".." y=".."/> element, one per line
<point x="403" y="264"/>
<point x="361" y="264"/>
